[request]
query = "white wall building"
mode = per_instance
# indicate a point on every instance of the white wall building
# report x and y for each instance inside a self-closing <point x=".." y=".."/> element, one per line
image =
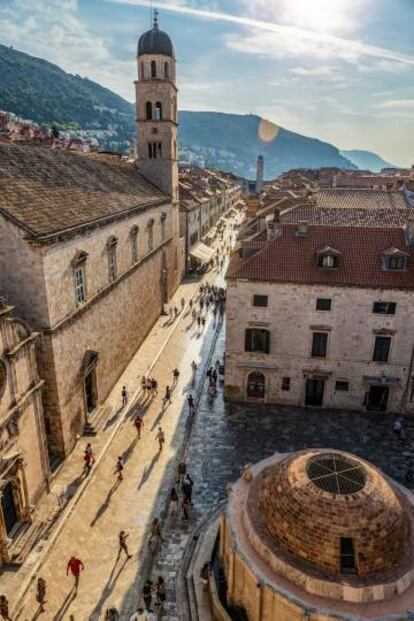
<point x="322" y="316"/>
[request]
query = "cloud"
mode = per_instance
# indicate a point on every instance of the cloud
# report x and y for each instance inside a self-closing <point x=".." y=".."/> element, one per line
<point x="396" y="104"/>
<point x="290" y="40"/>
<point x="53" y="27"/>
<point x="317" y="71"/>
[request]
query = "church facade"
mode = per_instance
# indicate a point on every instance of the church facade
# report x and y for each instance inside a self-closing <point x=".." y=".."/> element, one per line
<point x="90" y="251"/>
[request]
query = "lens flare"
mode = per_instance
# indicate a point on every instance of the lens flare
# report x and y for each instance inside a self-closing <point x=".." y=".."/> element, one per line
<point x="267" y="131"/>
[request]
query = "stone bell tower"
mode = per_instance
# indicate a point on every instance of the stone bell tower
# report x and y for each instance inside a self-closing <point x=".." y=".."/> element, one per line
<point x="156" y="102"/>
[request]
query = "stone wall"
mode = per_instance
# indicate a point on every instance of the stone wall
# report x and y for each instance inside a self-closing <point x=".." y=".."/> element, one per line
<point x="291" y="317"/>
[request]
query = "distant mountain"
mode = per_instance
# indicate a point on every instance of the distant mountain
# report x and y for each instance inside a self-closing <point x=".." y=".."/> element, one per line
<point x="366" y="160"/>
<point x="38" y="90"/>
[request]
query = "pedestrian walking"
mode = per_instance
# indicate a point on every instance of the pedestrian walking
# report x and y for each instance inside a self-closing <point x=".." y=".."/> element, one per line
<point x="88" y="460"/>
<point x="154" y="386"/>
<point x="139" y="423"/>
<point x="147" y="594"/>
<point x="397" y="427"/>
<point x="185" y="505"/>
<point x="214" y="375"/>
<point x="41" y="594"/>
<point x="119" y="468"/>
<point x="149" y="385"/>
<point x="160" y="591"/>
<point x="203" y="322"/>
<point x="205" y="575"/>
<point x="112" y="614"/>
<point x="198" y="321"/>
<point x="161" y="438"/>
<point x="144" y="384"/>
<point x="193" y="314"/>
<point x="124" y="395"/>
<point x="75" y="566"/>
<point x="190" y="401"/>
<point x="209" y="372"/>
<point x="175" y="311"/>
<point x="182" y="304"/>
<point x="176" y="375"/>
<point x="123" y="536"/>
<point x="201" y="305"/>
<point x="167" y="396"/>
<point x="194" y="367"/>
<point x="173" y="500"/>
<point x="4" y="608"/>
<point x="191" y="303"/>
<point x="187" y="487"/>
<point x="156" y="530"/>
<point x="182" y="469"/>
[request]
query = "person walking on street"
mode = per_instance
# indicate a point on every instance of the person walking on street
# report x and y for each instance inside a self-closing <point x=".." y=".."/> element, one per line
<point x="4" y="608"/>
<point x="147" y="594"/>
<point x="187" y="488"/>
<point x="194" y="367"/>
<point x="154" y="386"/>
<point x="139" y="615"/>
<point x="112" y="614"/>
<point x="41" y="594"/>
<point x="198" y="322"/>
<point x="182" y="304"/>
<point x="149" y="386"/>
<point x="156" y="531"/>
<point x="88" y="461"/>
<point x="160" y="591"/>
<point x="167" y="396"/>
<point x="185" y="505"/>
<point x="173" y="500"/>
<point x="119" y="468"/>
<point x="161" y="438"/>
<point x="144" y="384"/>
<point x="124" y="395"/>
<point x="190" y="401"/>
<point x="139" y="423"/>
<point x="176" y="375"/>
<point x="123" y="536"/>
<point x="75" y="566"/>
<point x="182" y="469"/>
<point x="193" y="314"/>
<point x="203" y="322"/>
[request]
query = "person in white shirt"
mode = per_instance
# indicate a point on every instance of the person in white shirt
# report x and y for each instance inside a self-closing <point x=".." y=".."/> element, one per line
<point x="139" y="615"/>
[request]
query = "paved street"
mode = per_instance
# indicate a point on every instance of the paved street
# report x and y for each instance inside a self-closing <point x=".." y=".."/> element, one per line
<point x="225" y="438"/>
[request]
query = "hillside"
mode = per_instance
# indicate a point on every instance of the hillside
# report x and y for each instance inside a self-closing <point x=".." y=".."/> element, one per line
<point x="366" y="160"/>
<point x="38" y="90"/>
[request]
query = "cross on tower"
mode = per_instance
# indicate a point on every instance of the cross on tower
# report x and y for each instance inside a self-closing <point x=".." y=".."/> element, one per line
<point x="155" y="18"/>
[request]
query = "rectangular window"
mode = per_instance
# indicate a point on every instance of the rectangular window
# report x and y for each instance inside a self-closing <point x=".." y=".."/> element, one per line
<point x="80" y="290"/>
<point x="384" y="308"/>
<point x="323" y="304"/>
<point x="285" y="383"/>
<point x="150" y="238"/>
<point x="347" y="556"/>
<point x="163" y="230"/>
<point x="382" y="348"/>
<point x="319" y="344"/>
<point x="257" y="340"/>
<point x="342" y="386"/>
<point x="260" y="300"/>
<point x="112" y="263"/>
<point x="396" y="263"/>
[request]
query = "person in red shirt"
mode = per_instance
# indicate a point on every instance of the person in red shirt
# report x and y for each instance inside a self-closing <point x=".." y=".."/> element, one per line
<point x="75" y="566"/>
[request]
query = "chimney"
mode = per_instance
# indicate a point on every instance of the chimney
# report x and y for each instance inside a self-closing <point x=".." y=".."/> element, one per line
<point x="273" y="230"/>
<point x="302" y="229"/>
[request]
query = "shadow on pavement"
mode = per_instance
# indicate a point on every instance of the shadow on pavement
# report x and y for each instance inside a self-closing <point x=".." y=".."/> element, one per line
<point x="106" y="502"/>
<point x="107" y="590"/>
<point x="147" y="472"/>
<point x="60" y="615"/>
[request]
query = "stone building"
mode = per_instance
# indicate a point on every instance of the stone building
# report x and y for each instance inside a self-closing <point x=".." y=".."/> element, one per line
<point x="24" y="465"/>
<point x="318" y="535"/>
<point x="321" y="316"/>
<point x="90" y="249"/>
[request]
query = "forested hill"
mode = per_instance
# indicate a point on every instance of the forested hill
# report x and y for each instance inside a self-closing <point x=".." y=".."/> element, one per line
<point x="38" y="90"/>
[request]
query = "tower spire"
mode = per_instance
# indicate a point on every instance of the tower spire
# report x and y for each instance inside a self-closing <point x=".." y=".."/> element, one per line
<point x="155" y="25"/>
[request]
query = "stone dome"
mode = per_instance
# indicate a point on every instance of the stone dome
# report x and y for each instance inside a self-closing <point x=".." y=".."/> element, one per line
<point x="334" y="511"/>
<point x="155" y="41"/>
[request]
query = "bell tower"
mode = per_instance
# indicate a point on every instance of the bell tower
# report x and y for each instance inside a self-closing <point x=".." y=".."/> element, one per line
<point x="156" y="104"/>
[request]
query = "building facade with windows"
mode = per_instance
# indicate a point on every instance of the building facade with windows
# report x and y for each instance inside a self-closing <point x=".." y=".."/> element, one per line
<point x="321" y="316"/>
<point x="24" y="463"/>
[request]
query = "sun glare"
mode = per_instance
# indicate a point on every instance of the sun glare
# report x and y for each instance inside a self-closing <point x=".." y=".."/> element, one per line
<point x="320" y="15"/>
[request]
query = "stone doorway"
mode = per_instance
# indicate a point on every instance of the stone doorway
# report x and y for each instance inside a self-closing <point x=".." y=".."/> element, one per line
<point x="256" y="386"/>
<point x="314" y="392"/>
<point x="378" y="398"/>
<point x="9" y="509"/>
<point x="90" y="380"/>
<point x="90" y="391"/>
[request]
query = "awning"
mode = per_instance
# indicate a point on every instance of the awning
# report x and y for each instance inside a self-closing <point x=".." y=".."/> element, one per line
<point x="202" y="252"/>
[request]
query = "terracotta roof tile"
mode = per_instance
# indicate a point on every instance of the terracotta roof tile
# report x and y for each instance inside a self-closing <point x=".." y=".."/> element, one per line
<point x="47" y="191"/>
<point x="361" y="199"/>
<point x="293" y="258"/>
<point x="347" y="216"/>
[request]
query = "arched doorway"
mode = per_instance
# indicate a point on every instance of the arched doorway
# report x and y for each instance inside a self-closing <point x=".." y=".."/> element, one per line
<point x="9" y="509"/>
<point x="256" y="385"/>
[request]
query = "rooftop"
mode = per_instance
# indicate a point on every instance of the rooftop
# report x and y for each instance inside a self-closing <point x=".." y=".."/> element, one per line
<point x="48" y="192"/>
<point x="347" y="216"/>
<point x="361" y="199"/>
<point x="292" y="258"/>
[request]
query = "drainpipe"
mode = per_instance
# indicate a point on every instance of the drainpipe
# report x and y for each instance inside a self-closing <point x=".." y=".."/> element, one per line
<point x="404" y="397"/>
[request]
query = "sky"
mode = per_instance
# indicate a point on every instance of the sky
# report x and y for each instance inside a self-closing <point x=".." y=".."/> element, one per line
<point x="338" y="70"/>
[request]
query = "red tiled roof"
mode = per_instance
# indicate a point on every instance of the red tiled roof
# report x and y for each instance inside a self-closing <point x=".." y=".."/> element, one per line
<point x="293" y="258"/>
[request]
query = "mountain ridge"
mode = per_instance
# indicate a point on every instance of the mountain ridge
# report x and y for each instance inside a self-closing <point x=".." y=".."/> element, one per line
<point x="41" y="91"/>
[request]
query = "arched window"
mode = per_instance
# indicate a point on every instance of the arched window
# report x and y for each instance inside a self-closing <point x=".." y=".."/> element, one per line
<point x="158" y="111"/>
<point x="150" y="227"/>
<point x="174" y="109"/>
<point x="163" y="230"/>
<point x="256" y="384"/>
<point x="148" y="110"/>
<point x="134" y="244"/>
<point x="142" y="69"/>
<point x="166" y="71"/>
<point x="153" y="69"/>
<point x="111" y="250"/>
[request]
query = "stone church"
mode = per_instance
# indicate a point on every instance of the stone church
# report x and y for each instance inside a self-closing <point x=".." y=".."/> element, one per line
<point x="90" y="251"/>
